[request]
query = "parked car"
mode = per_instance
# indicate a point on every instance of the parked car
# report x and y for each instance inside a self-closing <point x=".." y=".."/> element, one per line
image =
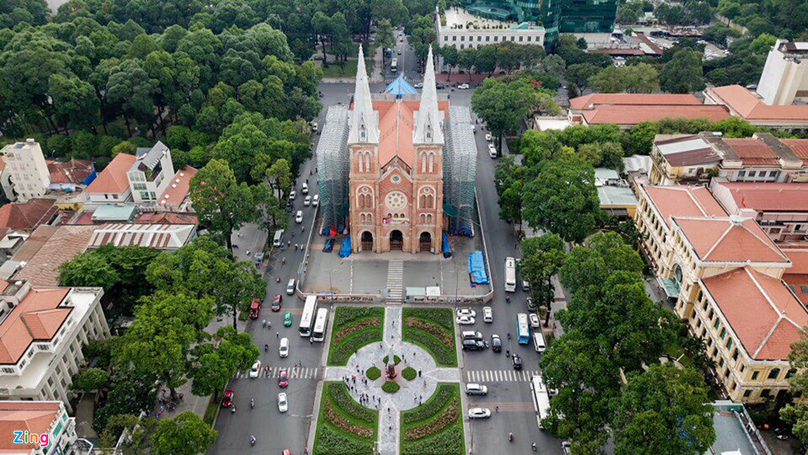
<point x="479" y="413"/>
<point x="530" y="305"/>
<point x="329" y="245"/>
<point x="283" y="348"/>
<point x="476" y="389"/>
<point x="314" y="126"/>
<point x="488" y="314"/>
<point x="255" y="309"/>
<point x="299" y="217"/>
<point x="439" y="86"/>
<point x="463" y="86"/>
<point x="492" y="151"/>
<point x="534" y="320"/>
<point x="488" y="137"/>
<point x="283" y="403"/>
<point x="473" y="345"/>
<point x="255" y="370"/>
<point x="472" y="335"/>
<point x="465" y="320"/>
<point x="307" y="201"/>
<point x="496" y="343"/>
<point x="315" y="201"/>
<point x="276" y="302"/>
<point x="517" y="362"/>
<point x="466" y="312"/>
<point x="283" y="378"/>
<point x="227" y="399"/>
<point x="292" y="195"/>
<point x="287" y="319"/>
<point x="565" y="448"/>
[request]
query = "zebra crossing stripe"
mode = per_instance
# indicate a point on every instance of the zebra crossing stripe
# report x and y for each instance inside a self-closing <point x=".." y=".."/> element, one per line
<point x="500" y="375"/>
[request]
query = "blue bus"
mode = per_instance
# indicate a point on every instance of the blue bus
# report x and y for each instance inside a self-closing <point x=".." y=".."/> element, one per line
<point x="522" y="328"/>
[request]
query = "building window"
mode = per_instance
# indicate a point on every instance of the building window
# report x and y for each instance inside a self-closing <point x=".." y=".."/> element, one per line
<point x="462" y="46"/>
<point x="487" y="38"/>
<point x="423" y="163"/>
<point x="463" y="38"/>
<point x="717" y="323"/>
<point x="746" y="393"/>
<point x="454" y="38"/>
<point x="729" y="343"/>
<point x="362" y="218"/>
<point x="755" y="375"/>
<point x="520" y="39"/>
<point x="765" y="393"/>
<point x="479" y="38"/>
<point x="528" y="39"/>
<point x="734" y="353"/>
<point x="723" y="332"/>
<point x="431" y="162"/>
<point x="496" y="38"/>
<point x="774" y="373"/>
<point x="445" y="38"/>
<point x="429" y="218"/>
<point x="367" y="162"/>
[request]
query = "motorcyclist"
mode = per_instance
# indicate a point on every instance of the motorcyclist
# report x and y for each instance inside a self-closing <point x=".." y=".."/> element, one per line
<point x="233" y="409"/>
<point x="510" y="437"/>
<point x="252" y="440"/>
<point x="252" y="402"/>
<point x="266" y="347"/>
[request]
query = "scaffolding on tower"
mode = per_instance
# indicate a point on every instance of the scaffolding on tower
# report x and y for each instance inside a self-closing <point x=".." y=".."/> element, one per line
<point x="459" y="171"/>
<point x="333" y="171"/>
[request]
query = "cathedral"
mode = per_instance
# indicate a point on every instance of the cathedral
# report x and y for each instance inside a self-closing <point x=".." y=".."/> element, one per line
<point x="395" y="184"/>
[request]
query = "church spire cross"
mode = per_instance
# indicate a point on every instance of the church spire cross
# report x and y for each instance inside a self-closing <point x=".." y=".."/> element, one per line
<point x="364" y="122"/>
<point x="428" y="129"/>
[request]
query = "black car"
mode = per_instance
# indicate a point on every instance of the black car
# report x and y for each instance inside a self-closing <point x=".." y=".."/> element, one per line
<point x="473" y="345"/>
<point x="439" y="86"/>
<point x="496" y="343"/>
<point x="290" y="207"/>
<point x="517" y="362"/>
<point x="329" y="245"/>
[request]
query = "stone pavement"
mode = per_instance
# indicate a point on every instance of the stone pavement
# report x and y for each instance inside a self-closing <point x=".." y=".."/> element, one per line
<point x="411" y="394"/>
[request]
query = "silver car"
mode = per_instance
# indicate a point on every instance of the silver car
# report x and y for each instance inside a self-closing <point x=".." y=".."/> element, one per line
<point x="479" y="413"/>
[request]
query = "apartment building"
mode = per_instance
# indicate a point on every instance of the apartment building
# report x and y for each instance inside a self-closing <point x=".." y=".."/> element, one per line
<point x="37" y="418"/>
<point x="693" y="158"/>
<point x="150" y="174"/>
<point x="725" y="275"/>
<point x="26" y="175"/>
<point x="42" y="331"/>
<point x="785" y="76"/>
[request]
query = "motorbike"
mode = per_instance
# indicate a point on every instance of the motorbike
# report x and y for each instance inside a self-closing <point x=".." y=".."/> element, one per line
<point x="510" y="437"/>
<point x="252" y="440"/>
<point x="233" y="409"/>
<point x="533" y="446"/>
<point x="283" y="261"/>
<point x="278" y="279"/>
<point x="252" y="403"/>
<point x="266" y="348"/>
<point x="508" y="299"/>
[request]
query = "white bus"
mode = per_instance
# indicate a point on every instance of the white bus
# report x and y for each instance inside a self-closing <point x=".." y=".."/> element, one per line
<point x="541" y="399"/>
<point x="510" y="275"/>
<point x="320" y="324"/>
<point x="522" y="329"/>
<point x="394" y="65"/>
<point x="307" y="319"/>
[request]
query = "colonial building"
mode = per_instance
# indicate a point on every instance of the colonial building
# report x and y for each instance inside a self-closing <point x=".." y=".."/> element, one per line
<point x="396" y="168"/>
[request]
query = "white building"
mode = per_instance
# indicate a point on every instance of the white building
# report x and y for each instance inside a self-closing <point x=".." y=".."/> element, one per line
<point x="26" y="175"/>
<point x="464" y="30"/>
<point x="785" y="76"/>
<point x="151" y="173"/>
<point x="41" y="334"/>
<point x="38" y="418"/>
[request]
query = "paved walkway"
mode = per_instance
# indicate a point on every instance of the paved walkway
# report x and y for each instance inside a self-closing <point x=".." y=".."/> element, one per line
<point x="411" y="394"/>
<point x="395" y="281"/>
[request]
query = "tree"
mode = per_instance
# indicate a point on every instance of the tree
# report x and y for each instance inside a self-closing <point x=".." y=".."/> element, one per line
<point x="88" y="270"/>
<point x="185" y="434"/>
<point x="486" y="59"/>
<point x="131" y="88"/>
<point x="579" y="74"/>
<point x="797" y="413"/>
<point x="238" y="285"/>
<point x="763" y="43"/>
<point x="503" y="105"/>
<point x="92" y="379"/>
<point x="664" y="410"/>
<point x="683" y="73"/>
<point x="563" y="199"/>
<point x="222" y="204"/>
<point x="217" y="363"/>
<point x="605" y="254"/>
<point x="280" y="177"/>
<point x="384" y="36"/>
<point x="451" y="57"/>
<point x="541" y="259"/>
<point x="639" y="78"/>
<point x="466" y="59"/>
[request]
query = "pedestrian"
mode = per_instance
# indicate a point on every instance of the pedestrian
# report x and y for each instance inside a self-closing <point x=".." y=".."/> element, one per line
<point x="311" y="340"/>
<point x="419" y="373"/>
<point x="277" y="334"/>
<point x="413" y="354"/>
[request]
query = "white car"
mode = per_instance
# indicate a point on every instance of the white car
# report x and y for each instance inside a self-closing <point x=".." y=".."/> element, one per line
<point x="479" y="413"/>
<point x="316" y="201"/>
<point x="466" y="312"/>
<point x="465" y="320"/>
<point x="314" y="126"/>
<point x="283" y="348"/>
<point x="492" y="151"/>
<point x="488" y="137"/>
<point x="283" y="403"/>
<point x="255" y="370"/>
<point x="419" y="85"/>
<point x="534" y="320"/>
<point x="292" y="195"/>
<point x="463" y="86"/>
<point x="488" y="314"/>
<point x="299" y="217"/>
<point x="307" y="201"/>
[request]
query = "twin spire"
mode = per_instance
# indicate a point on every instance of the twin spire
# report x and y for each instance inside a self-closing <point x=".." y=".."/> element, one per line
<point x="365" y="121"/>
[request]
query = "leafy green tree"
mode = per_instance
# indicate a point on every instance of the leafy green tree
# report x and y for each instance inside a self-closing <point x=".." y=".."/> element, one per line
<point x="605" y="254"/>
<point x="384" y="36"/>
<point x="451" y="57"/>
<point x="131" y="88"/>
<point x="185" y="434"/>
<point x="541" y="259"/>
<point x="664" y="410"/>
<point x="640" y="138"/>
<point x="503" y="105"/>
<point x="217" y="363"/>
<point x="580" y="73"/>
<point x="639" y="78"/>
<point x="797" y="413"/>
<point x="486" y="59"/>
<point x="75" y="101"/>
<point x="92" y="379"/>
<point x="195" y="269"/>
<point x="683" y="73"/>
<point x="563" y="199"/>
<point x="88" y="270"/>
<point x="466" y="59"/>
<point x="280" y="176"/>
<point x="124" y="147"/>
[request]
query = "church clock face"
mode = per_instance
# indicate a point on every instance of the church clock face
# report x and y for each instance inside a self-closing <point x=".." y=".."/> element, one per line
<point x="396" y="200"/>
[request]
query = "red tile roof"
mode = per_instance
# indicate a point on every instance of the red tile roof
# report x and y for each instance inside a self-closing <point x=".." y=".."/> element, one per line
<point x="36" y="417"/>
<point x="798" y="146"/>
<point x="27" y="215"/>
<point x="633" y="99"/>
<point x="179" y="187"/>
<point x="753" y="151"/>
<point x="73" y="171"/>
<point x="37" y="318"/>
<point x="753" y="109"/>
<point x="622" y="114"/>
<point x="113" y="179"/>
<point x="798" y="253"/>
<point x="396" y="126"/>
<point x="63" y="245"/>
<point x="769" y="197"/>
<point x="729" y="240"/>
<point x="692" y="201"/>
<point x="763" y="314"/>
<point x="167" y="218"/>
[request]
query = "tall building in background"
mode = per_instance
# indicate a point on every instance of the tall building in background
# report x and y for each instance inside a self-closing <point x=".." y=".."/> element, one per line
<point x="27" y="172"/>
<point x="544" y="13"/>
<point x="785" y="76"/>
<point x="588" y="16"/>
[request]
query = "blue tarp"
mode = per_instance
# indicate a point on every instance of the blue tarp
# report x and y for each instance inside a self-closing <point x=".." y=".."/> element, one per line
<point x="400" y="87"/>
<point x="345" y="249"/>
<point x="477" y="268"/>
<point x="447" y="250"/>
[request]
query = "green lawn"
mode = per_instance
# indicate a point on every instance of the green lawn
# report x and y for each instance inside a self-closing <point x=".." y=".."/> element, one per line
<point x="344" y="427"/>
<point x="334" y="71"/>
<point x="353" y="328"/>
<point x="433" y="330"/>
<point x="436" y="427"/>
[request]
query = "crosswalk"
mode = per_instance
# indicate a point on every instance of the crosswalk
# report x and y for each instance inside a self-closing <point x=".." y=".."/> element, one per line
<point x="500" y="375"/>
<point x="294" y="373"/>
<point x="395" y="280"/>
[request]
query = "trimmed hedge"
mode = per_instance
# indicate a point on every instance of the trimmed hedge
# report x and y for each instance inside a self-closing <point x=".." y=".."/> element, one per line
<point x="433" y="330"/>
<point x="391" y="387"/>
<point x="345" y="315"/>
<point x="353" y="328"/>
<point x="436" y="427"/>
<point x="373" y="373"/>
<point x="444" y="356"/>
<point x="435" y="403"/>
<point x="338" y="393"/>
<point x="331" y="441"/>
<point x="344" y="427"/>
<point x="440" y="316"/>
<point x="339" y="354"/>
<point x="409" y="373"/>
<point x="449" y="442"/>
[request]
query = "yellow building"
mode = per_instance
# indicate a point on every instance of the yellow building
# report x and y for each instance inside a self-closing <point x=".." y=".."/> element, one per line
<point x="725" y="275"/>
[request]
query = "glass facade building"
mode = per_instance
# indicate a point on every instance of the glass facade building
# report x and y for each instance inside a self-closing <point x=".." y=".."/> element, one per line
<point x="590" y="16"/>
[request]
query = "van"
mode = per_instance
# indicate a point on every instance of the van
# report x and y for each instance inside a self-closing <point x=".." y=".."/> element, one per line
<point x="538" y="342"/>
<point x="472" y="335"/>
<point x="278" y="240"/>
<point x="290" y="288"/>
<point x="316" y="200"/>
<point x="305" y="189"/>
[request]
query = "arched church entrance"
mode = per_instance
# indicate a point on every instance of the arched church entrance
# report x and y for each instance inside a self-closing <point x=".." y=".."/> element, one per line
<point x="396" y="240"/>
<point x="425" y="242"/>
<point x="367" y="241"/>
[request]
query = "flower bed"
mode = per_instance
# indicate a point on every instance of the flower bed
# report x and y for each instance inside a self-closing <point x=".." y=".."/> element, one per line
<point x="373" y="373"/>
<point x="345" y="315"/>
<point x="340" y="353"/>
<point x="344" y="427"/>
<point x="441" y="316"/>
<point x="443" y="355"/>
<point x="391" y="387"/>
<point x="357" y="326"/>
<point x="436" y="427"/>
<point x="353" y="328"/>
<point x="433" y="330"/>
<point x="409" y="373"/>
